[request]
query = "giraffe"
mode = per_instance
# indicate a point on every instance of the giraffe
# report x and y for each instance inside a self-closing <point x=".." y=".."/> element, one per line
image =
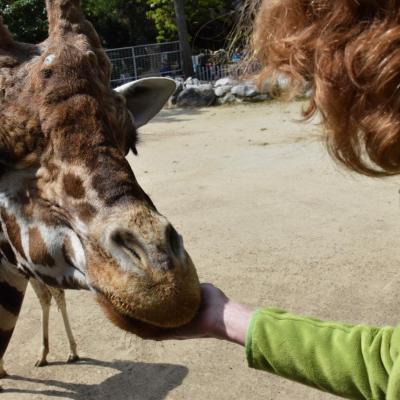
<point x="72" y="213"/>
<point x="158" y="91"/>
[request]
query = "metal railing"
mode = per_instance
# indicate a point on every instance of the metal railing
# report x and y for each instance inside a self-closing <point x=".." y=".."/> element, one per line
<point x="131" y="63"/>
<point x="235" y="70"/>
<point x="165" y="59"/>
<point x="211" y="73"/>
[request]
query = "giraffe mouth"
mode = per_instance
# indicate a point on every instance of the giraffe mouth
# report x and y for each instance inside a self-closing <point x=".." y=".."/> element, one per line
<point x="128" y="323"/>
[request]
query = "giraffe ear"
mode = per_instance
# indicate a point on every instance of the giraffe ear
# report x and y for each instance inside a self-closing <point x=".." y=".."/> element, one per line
<point x="146" y="97"/>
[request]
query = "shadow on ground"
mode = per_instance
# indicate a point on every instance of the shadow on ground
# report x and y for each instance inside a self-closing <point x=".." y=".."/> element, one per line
<point x="176" y="114"/>
<point x="135" y="381"/>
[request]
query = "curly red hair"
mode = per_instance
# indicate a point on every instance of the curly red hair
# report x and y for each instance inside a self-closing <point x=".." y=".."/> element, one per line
<point x="349" y="51"/>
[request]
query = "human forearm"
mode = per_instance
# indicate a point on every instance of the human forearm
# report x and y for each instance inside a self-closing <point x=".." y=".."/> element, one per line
<point x="350" y="361"/>
<point x="235" y="322"/>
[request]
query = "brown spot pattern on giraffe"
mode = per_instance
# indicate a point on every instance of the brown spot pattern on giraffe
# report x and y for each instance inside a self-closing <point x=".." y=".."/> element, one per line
<point x="27" y="210"/>
<point x="38" y="249"/>
<point x="73" y="186"/>
<point x="13" y="231"/>
<point x="86" y="212"/>
<point x="24" y="199"/>
<point x="124" y="184"/>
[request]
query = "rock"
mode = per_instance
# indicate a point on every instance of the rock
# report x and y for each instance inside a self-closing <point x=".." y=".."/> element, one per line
<point x="258" y="98"/>
<point x="179" y="89"/>
<point x="225" y="82"/>
<point x="228" y="99"/>
<point x="280" y="84"/>
<point x="309" y="94"/>
<point x="222" y="90"/>
<point x="283" y="82"/>
<point x="192" y="93"/>
<point x="199" y="86"/>
<point x="245" y="90"/>
<point x="205" y="86"/>
<point x="196" y="97"/>
<point x="192" y="82"/>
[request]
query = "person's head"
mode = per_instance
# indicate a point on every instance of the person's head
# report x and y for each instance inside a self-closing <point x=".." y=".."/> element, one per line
<point x="349" y="52"/>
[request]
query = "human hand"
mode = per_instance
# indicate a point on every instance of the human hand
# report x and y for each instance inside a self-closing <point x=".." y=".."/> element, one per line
<point x="218" y="317"/>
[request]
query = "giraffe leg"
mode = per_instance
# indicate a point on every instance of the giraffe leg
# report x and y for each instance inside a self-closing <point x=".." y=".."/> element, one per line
<point x="44" y="296"/>
<point x="59" y="297"/>
<point x="12" y="292"/>
<point x="3" y="372"/>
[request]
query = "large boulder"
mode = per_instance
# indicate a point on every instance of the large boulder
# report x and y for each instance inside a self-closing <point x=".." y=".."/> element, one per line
<point x="178" y="90"/>
<point x="205" y="86"/>
<point x="245" y="90"/>
<point x="225" y="82"/>
<point x="278" y="85"/>
<point x="228" y="99"/>
<point x="222" y="90"/>
<point x="283" y="82"/>
<point x="201" y="96"/>
<point x="192" y="82"/>
<point x="257" y="99"/>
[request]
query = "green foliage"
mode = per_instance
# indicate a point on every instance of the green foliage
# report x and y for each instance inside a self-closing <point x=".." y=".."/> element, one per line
<point x="26" y="19"/>
<point x="209" y="21"/>
<point x="119" y="22"/>
<point x="163" y="15"/>
<point x="128" y="22"/>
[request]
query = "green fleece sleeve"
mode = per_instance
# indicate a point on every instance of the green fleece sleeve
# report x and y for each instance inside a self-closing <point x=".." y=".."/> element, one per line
<point x="350" y="361"/>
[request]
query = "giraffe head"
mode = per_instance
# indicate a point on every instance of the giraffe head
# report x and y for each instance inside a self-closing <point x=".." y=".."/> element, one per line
<point x="71" y="207"/>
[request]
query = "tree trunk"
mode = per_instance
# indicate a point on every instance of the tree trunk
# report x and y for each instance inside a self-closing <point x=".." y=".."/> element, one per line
<point x="184" y="38"/>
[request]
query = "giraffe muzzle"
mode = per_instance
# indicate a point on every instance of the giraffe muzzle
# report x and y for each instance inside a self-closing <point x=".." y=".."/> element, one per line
<point x="147" y="276"/>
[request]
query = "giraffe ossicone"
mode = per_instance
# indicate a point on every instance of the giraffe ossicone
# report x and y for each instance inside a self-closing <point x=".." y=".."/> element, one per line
<point x="72" y="212"/>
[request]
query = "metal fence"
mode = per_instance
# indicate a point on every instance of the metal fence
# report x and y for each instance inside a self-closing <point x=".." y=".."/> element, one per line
<point x="131" y="63"/>
<point x="235" y="70"/>
<point x="211" y="73"/>
<point x="165" y="59"/>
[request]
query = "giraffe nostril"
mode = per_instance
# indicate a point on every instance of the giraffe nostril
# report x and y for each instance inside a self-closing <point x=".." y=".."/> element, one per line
<point x="175" y="242"/>
<point x="162" y="253"/>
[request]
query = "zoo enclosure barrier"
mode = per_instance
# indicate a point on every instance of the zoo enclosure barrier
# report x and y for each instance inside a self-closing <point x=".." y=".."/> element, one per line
<point x="213" y="72"/>
<point x="158" y="59"/>
<point x="237" y="70"/>
<point x="165" y="59"/>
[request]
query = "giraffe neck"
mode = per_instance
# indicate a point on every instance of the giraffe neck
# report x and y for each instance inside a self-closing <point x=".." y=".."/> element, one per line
<point x="33" y="242"/>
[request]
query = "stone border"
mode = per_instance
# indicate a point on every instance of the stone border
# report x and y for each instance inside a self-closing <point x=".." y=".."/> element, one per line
<point x="192" y="93"/>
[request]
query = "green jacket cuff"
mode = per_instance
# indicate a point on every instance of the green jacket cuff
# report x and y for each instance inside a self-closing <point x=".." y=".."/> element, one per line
<point x="249" y="339"/>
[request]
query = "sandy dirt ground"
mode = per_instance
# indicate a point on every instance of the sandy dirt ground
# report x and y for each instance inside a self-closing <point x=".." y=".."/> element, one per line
<point x="268" y="217"/>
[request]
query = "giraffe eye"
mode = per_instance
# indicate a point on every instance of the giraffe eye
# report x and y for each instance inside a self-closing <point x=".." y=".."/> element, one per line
<point x="47" y="73"/>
